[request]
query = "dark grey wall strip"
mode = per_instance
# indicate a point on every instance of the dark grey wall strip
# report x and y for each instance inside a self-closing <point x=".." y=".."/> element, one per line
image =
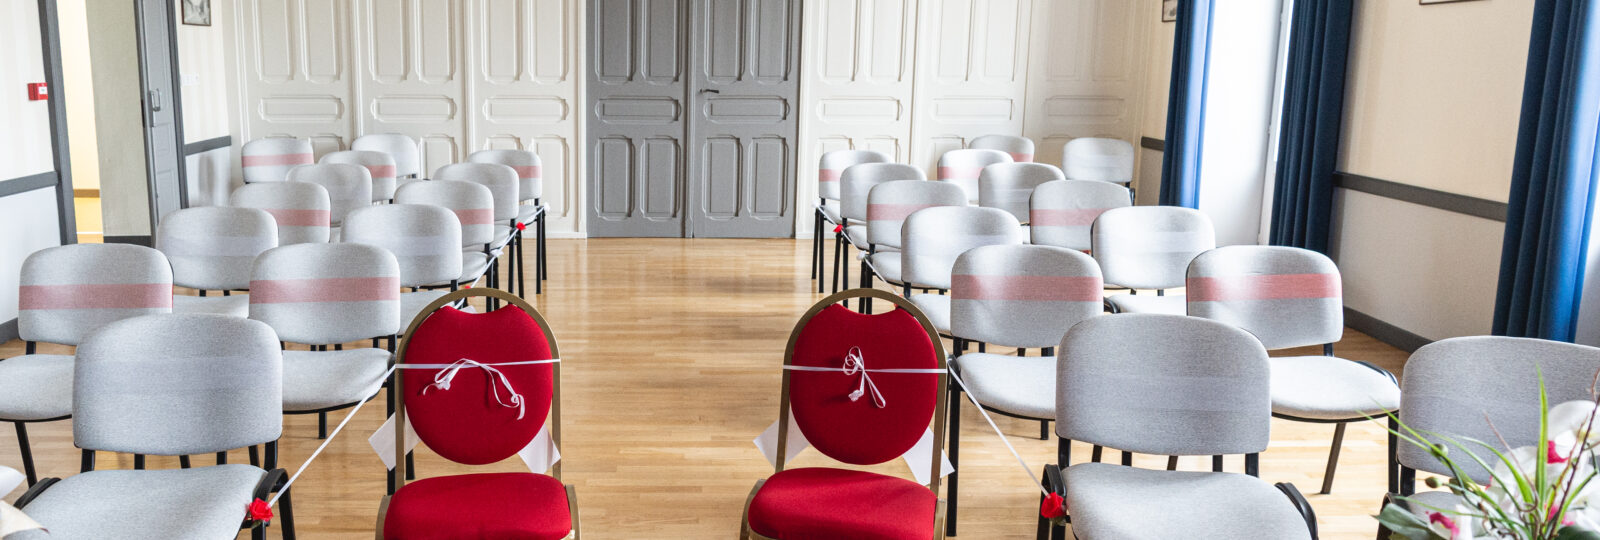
<point x="8" y="330"/>
<point x="50" y="36"/>
<point x="1450" y="202"/>
<point x="1399" y="337"/>
<point x="207" y="145"/>
<point x="1153" y="144"/>
<point x="28" y="183"/>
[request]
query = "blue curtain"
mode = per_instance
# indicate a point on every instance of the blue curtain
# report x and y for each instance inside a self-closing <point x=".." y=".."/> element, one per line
<point x="1186" y="105"/>
<point x="1313" y="110"/>
<point x="1553" y="177"/>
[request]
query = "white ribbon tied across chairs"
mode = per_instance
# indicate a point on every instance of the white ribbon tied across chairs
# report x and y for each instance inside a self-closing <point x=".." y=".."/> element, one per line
<point x="854" y="364"/>
<point x="12" y="520"/>
<point x="442" y="379"/>
<point x="540" y="454"/>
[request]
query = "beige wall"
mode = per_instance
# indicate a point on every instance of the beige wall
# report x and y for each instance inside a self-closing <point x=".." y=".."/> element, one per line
<point x="203" y="67"/>
<point x="1158" y="81"/>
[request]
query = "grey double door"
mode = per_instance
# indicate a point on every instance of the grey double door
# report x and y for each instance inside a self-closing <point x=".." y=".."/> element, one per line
<point x="692" y="129"/>
<point x="162" y="120"/>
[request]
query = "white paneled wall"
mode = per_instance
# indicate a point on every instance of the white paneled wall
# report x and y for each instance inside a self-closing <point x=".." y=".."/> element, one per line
<point x="459" y="75"/>
<point x="916" y="78"/>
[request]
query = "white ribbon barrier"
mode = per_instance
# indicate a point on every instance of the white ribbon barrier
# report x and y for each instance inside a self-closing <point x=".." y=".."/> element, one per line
<point x="13" y="520"/>
<point x="9" y="479"/>
<point x="1003" y="439"/>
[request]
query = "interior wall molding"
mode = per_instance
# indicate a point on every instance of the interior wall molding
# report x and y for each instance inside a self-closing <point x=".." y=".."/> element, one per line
<point x="1396" y="336"/>
<point x="1153" y="143"/>
<point x="207" y="145"/>
<point x="1432" y="198"/>
<point x="28" y="183"/>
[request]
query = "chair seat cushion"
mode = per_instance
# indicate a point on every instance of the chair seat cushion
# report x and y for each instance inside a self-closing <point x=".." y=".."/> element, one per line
<point x="529" y="213"/>
<point x="314" y="380"/>
<point x="236" y="305"/>
<point x="474" y="264"/>
<point x="1112" y="502"/>
<point x="1019" y="385"/>
<point x="886" y="265"/>
<point x="411" y="303"/>
<point x="1330" y="388"/>
<point x="36" y="387"/>
<point x="493" y="505"/>
<point x="830" y="212"/>
<point x="857" y="234"/>
<point x="1172" y="304"/>
<point x="817" y="503"/>
<point x="203" y="502"/>
<point x="936" y="307"/>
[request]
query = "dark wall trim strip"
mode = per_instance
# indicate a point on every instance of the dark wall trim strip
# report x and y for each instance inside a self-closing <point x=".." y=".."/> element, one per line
<point x="1153" y="144"/>
<point x="207" y="145"/>
<point x="8" y="331"/>
<point x="1450" y="202"/>
<point x="142" y="240"/>
<point x="28" y="183"/>
<point x="1399" y="337"/>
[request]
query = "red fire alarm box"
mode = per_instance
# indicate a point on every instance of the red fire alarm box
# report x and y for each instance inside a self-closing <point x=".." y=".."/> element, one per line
<point x="38" y="91"/>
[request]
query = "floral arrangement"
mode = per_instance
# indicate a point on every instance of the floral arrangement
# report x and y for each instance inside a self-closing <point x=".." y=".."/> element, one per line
<point x="1542" y="492"/>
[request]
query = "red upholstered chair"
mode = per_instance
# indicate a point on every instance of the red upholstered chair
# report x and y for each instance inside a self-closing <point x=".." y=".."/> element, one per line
<point x="820" y="502"/>
<point x="465" y="424"/>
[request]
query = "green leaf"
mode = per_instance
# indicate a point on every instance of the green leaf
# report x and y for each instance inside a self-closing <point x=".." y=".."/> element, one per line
<point x="1577" y="533"/>
<point x="1407" y="525"/>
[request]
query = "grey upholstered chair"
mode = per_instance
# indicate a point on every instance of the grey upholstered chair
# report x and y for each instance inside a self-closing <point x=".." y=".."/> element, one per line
<point x="1483" y="388"/>
<point x="270" y="159"/>
<point x="379" y="165"/>
<point x="211" y="248"/>
<point x="1061" y="213"/>
<point x="1019" y="148"/>
<point x="349" y="187"/>
<point x="170" y="385"/>
<point x="888" y="206"/>
<point x="530" y="174"/>
<point x="855" y="186"/>
<point x="829" y="168"/>
<point x="964" y="166"/>
<point x="1149" y="247"/>
<point x="1141" y="383"/>
<point x="328" y="294"/>
<point x="473" y="205"/>
<point x="1291" y="297"/>
<point x="67" y="293"/>
<point x="424" y="239"/>
<point x="504" y="185"/>
<point x="1008" y="186"/>
<point x="401" y="148"/>
<point x="302" y="210"/>
<point x="934" y="237"/>
<point x="1098" y="159"/>
<point x="1014" y="296"/>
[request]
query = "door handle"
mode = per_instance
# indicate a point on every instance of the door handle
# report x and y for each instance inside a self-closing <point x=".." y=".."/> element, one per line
<point x="710" y="91"/>
<point x="155" y="100"/>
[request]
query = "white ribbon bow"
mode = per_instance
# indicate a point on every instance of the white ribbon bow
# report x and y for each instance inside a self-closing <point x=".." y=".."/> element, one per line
<point x="442" y="379"/>
<point x="853" y="364"/>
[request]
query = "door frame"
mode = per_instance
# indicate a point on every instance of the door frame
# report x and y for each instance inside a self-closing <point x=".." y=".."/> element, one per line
<point x="176" y="104"/>
<point x="50" y="35"/>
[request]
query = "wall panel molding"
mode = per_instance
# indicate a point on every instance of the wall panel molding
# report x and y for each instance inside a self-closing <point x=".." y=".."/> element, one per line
<point x="200" y="147"/>
<point x="28" y="183"/>
<point x="1451" y="202"/>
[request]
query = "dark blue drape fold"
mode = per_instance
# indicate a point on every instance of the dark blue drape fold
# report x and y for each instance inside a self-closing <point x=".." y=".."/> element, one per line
<point x="1186" y="105"/>
<point x="1313" y="111"/>
<point x="1553" y="177"/>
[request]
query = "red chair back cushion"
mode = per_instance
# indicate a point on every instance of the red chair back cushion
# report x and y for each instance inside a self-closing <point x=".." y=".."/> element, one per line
<point x="465" y="424"/>
<point x="858" y="432"/>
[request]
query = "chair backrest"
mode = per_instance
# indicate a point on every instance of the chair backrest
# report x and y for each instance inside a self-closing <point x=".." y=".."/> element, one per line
<point x="322" y="294"/>
<point x="933" y="238"/>
<point x="349" y="186"/>
<point x="380" y="166"/>
<point x="424" y="239"/>
<point x="1163" y="384"/>
<point x="401" y="148"/>
<point x="1149" y="247"/>
<point x="500" y="179"/>
<point x="1008" y="186"/>
<point x="172" y="385"/>
<point x="1285" y="296"/>
<point x="889" y="203"/>
<point x="964" y="166"/>
<point x="1020" y="148"/>
<point x="858" y="431"/>
<point x="70" y="291"/>
<point x="1098" y="159"/>
<point x="213" y="247"/>
<point x="1021" y="295"/>
<point x="269" y="159"/>
<point x="856" y="183"/>
<point x="530" y="169"/>
<point x="302" y="210"/>
<point x="1456" y="387"/>
<point x="1061" y="212"/>
<point x="833" y="164"/>
<point x="463" y="423"/>
<point x="472" y="203"/>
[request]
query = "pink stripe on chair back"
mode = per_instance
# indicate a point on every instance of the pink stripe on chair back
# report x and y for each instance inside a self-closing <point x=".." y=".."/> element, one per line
<point x="894" y="212"/>
<point x="529" y="171"/>
<point x="475" y="216"/>
<point x="96" y="296"/>
<point x="948" y="173"/>
<point x="1021" y="157"/>
<point x="829" y="175"/>
<point x="381" y="171"/>
<point x="272" y="160"/>
<point x="1039" y="288"/>
<point x="292" y="217"/>
<point x="1063" y="217"/>
<point x="1263" y="287"/>
<point x="313" y="290"/>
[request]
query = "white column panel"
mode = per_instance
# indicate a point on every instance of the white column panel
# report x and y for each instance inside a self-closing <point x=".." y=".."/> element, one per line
<point x="972" y="73"/>
<point x="413" y="82"/>
<point x="297" y="71"/>
<point x="1086" y="76"/>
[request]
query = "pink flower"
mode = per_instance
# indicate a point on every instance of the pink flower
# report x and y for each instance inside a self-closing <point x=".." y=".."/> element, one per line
<point x="1435" y="518"/>
<point x="1551" y="455"/>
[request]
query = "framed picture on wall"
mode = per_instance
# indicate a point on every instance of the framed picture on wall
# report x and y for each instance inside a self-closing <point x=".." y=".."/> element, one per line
<point x="197" y="12"/>
<point x="1169" y="10"/>
<point x="1426" y="2"/>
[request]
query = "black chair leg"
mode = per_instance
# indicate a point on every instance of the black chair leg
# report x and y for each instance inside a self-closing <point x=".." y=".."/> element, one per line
<point x="27" y="453"/>
<point x="838" y="244"/>
<point x="411" y="466"/>
<point x="1044" y="430"/>
<point x="1333" y="458"/>
<point x="544" y="251"/>
<point x="865" y="303"/>
<point x="954" y="446"/>
<point x="1394" y="462"/>
<point x="287" y="507"/>
<point x="255" y="456"/>
<point x="322" y="425"/>
<point x="816" y="240"/>
<point x="183" y="462"/>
